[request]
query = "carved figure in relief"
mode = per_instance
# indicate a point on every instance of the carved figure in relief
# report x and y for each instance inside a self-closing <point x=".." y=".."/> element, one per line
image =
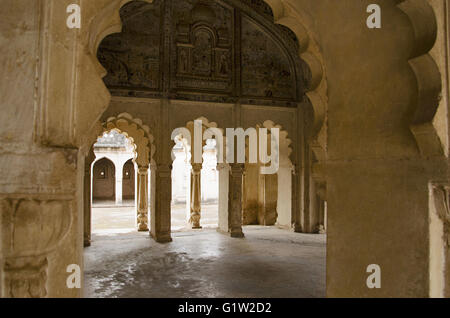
<point x="183" y="62"/>
<point x="223" y="70"/>
<point x="202" y="53"/>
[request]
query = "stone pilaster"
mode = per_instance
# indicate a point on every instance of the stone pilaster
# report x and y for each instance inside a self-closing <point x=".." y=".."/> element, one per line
<point x="196" y="195"/>
<point x="142" y="204"/>
<point x="161" y="218"/>
<point x="235" y="200"/>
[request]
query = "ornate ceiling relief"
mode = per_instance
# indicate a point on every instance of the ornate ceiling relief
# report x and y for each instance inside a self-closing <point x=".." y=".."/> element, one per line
<point x="220" y="51"/>
<point x="266" y="71"/>
<point x="132" y="57"/>
<point x="203" y="43"/>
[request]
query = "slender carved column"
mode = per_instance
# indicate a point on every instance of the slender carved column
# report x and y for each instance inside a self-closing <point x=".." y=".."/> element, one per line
<point x="196" y="195"/>
<point x="119" y="185"/>
<point x="224" y="178"/>
<point x="163" y="195"/>
<point x="142" y="204"/>
<point x="87" y="197"/>
<point x="321" y="197"/>
<point x="235" y="200"/>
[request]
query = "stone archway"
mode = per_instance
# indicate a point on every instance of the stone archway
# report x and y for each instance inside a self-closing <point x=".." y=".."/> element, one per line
<point x="128" y="187"/>
<point x="363" y="161"/>
<point x="103" y="180"/>
<point x="144" y="149"/>
<point x="140" y="135"/>
<point x="266" y="201"/>
<point x="194" y="153"/>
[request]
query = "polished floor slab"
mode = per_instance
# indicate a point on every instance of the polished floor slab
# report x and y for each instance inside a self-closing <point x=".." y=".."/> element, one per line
<point x="269" y="262"/>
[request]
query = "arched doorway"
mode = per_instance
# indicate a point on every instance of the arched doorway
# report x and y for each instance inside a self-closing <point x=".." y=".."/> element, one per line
<point x="113" y="184"/>
<point x="202" y="83"/>
<point x="195" y="192"/>
<point x="104" y="181"/>
<point x="129" y="181"/>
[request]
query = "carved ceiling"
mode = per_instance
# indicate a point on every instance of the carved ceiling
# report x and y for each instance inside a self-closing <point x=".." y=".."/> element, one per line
<point x="216" y="50"/>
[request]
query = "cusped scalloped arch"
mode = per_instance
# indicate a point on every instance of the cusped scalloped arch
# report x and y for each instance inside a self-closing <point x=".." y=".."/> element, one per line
<point x="428" y="78"/>
<point x="140" y="134"/>
<point x="317" y="92"/>
<point x="107" y="21"/>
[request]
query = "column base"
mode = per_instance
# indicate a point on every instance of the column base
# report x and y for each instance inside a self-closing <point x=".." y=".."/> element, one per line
<point x="87" y="243"/>
<point x="162" y="238"/>
<point x="298" y="228"/>
<point x="237" y="233"/>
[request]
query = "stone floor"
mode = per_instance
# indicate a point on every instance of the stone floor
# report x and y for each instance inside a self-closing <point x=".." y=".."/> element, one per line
<point x="269" y="262"/>
<point x="109" y="218"/>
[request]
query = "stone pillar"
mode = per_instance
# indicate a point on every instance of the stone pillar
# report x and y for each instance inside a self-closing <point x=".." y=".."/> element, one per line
<point x="196" y="195"/>
<point x="311" y="224"/>
<point x="235" y="200"/>
<point x="160" y="217"/>
<point x="224" y="178"/>
<point x="321" y="197"/>
<point x="296" y="199"/>
<point x="119" y="185"/>
<point x="268" y="199"/>
<point x="87" y="197"/>
<point x="142" y="203"/>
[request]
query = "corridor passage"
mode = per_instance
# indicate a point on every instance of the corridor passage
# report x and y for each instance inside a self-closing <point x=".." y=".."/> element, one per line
<point x="269" y="262"/>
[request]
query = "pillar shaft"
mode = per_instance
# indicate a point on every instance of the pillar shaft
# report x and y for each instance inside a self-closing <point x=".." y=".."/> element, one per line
<point x="119" y="185"/>
<point x="224" y="178"/>
<point x="87" y="197"/>
<point x="142" y="204"/>
<point x="296" y="199"/>
<point x="87" y="204"/>
<point x="161" y="218"/>
<point x="196" y="196"/>
<point x="235" y="200"/>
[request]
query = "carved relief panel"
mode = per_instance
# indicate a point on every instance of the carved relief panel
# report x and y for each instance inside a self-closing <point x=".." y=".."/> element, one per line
<point x="203" y="45"/>
<point x="220" y="51"/>
<point x="267" y="71"/>
<point x="132" y="57"/>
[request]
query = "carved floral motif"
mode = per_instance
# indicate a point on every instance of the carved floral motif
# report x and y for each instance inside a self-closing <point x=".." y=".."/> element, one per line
<point x="31" y="230"/>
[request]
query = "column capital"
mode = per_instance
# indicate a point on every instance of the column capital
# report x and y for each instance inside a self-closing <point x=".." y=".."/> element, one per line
<point x="196" y="167"/>
<point x="221" y="166"/>
<point x="142" y="170"/>
<point x="164" y="170"/>
<point x="237" y="168"/>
